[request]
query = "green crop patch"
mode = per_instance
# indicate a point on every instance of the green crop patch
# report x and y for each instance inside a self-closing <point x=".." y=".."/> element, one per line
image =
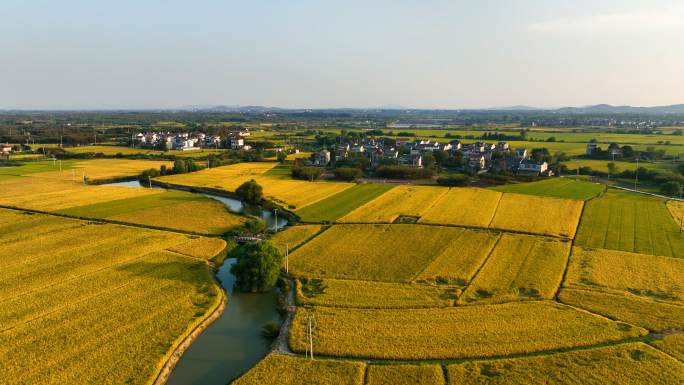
<point x="336" y="206"/>
<point x="129" y="205"/>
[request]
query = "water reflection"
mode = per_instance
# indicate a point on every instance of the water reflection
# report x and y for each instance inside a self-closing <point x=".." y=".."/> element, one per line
<point x="233" y="343"/>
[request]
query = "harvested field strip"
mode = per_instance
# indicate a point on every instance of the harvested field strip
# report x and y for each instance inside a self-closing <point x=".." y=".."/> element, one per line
<point x="656" y="316"/>
<point x="295" y="236"/>
<point x="630" y="274"/>
<point x="621" y="364"/>
<point x="521" y="267"/>
<point x="461" y="259"/>
<point x="279" y="369"/>
<point x="537" y="215"/>
<point x="465" y="332"/>
<point x="368" y="252"/>
<point x="100" y="169"/>
<point x="129" y="205"/>
<point x="405" y="374"/>
<point x="410" y="201"/>
<point x="469" y="207"/>
<point x="372" y="295"/>
<point x="336" y="206"/>
<point x="205" y="216"/>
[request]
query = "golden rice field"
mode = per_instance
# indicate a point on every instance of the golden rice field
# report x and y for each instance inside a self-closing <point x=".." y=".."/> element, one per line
<point x="280" y="369"/>
<point x="630" y="222"/>
<point x="554" y="217"/>
<point x="632" y="363"/>
<point x="459" y="262"/>
<point x="294" y="194"/>
<point x="205" y="216"/>
<point x="520" y="267"/>
<point x="656" y="316"/>
<point x="171" y="210"/>
<point x="373" y="295"/>
<point x="405" y="374"/>
<point x="82" y="301"/>
<point x="677" y="212"/>
<point x="371" y="252"/>
<point x="201" y="247"/>
<point x="469" y="207"/>
<point x="409" y="201"/>
<point x="464" y="332"/>
<point x="630" y="274"/>
<point x="672" y="345"/>
<point x="103" y="169"/>
<point x="295" y="236"/>
<point x="68" y="198"/>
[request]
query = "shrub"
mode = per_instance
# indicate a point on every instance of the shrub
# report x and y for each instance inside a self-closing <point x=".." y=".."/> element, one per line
<point x="348" y="174"/>
<point x="454" y="181"/>
<point x="271" y="329"/>
<point x="405" y="172"/>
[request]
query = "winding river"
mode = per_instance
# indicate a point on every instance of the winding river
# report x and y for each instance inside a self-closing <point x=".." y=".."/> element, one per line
<point x="232" y="344"/>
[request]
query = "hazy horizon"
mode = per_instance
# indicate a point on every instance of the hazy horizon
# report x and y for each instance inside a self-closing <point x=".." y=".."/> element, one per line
<point x="79" y="55"/>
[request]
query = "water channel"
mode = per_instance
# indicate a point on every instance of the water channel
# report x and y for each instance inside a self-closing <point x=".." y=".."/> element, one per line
<point x="267" y="216"/>
<point x="232" y="344"/>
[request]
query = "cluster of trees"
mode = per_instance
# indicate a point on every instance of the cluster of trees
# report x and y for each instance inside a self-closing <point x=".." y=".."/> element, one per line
<point x="347" y="174"/>
<point x="180" y="166"/>
<point x="626" y="153"/>
<point x="454" y="180"/>
<point x="256" y="266"/>
<point x="405" y="172"/>
<point x="301" y="171"/>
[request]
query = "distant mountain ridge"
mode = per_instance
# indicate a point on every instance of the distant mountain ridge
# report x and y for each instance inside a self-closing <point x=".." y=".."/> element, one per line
<point x="598" y="108"/>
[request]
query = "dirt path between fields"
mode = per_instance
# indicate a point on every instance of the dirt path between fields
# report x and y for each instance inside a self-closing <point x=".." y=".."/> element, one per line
<point x="176" y="355"/>
<point x="281" y="346"/>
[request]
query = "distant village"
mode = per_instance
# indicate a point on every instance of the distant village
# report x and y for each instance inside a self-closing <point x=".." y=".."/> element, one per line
<point x="186" y="142"/>
<point x="406" y="153"/>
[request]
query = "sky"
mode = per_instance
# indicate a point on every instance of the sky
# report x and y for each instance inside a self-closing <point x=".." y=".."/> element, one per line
<point x="84" y="54"/>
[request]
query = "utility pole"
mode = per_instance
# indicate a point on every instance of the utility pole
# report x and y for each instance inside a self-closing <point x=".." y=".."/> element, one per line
<point x="83" y="177"/>
<point x="309" y="318"/>
<point x="150" y="180"/>
<point x="275" y="212"/>
<point x="287" y="257"/>
<point x="73" y="178"/>
<point x="636" y="176"/>
<point x="578" y="166"/>
<point x="60" y="165"/>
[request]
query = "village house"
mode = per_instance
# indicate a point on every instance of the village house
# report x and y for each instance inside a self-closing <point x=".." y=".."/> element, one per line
<point x="320" y="158"/>
<point x="591" y="148"/>
<point x="341" y="154"/>
<point x="476" y="161"/>
<point x="410" y="160"/>
<point x="510" y="164"/>
<point x="237" y="143"/>
<point x="533" y="167"/>
<point x="521" y="153"/>
<point x="5" y="149"/>
<point x="503" y="146"/>
<point x="402" y="142"/>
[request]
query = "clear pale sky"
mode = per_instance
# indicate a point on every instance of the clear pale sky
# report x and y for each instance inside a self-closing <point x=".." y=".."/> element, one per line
<point x="328" y="54"/>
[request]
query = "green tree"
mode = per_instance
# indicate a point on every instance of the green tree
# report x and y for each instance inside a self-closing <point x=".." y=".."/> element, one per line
<point x="671" y="188"/>
<point x="145" y="176"/>
<point x="256" y="266"/>
<point x="612" y="168"/>
<point x="254" y="226"/>
<point x="282" y="156"/>
<point x="347" y="174"/>
<point x="179" y="167"/>
<point x="250" y="192"/>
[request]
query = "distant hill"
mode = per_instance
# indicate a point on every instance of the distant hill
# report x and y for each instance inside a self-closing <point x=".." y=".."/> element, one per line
<point x="392" y="107"/>
<point x="607" y="108"/>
